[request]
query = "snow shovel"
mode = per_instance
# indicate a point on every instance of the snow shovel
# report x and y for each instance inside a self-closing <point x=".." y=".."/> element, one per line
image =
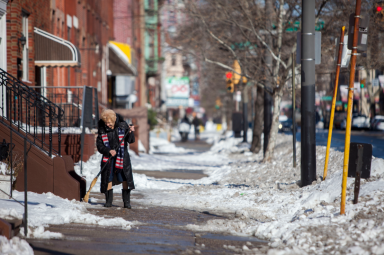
<point x="86" y="197"/>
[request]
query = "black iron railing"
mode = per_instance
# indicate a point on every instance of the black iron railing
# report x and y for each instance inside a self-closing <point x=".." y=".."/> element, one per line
<point x="23" y="109"/>
<point x="70" y="99"/>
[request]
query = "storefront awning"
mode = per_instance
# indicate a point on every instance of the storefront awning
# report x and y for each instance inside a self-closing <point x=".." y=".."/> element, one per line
<point x="120" y="59"/>
<point x="51" y="50"/>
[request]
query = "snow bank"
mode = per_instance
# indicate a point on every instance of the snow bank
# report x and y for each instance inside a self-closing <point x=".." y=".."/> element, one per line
<point x="47" y="209"/>
<point x="159" y="145"/>
<point x="14" y="246"/>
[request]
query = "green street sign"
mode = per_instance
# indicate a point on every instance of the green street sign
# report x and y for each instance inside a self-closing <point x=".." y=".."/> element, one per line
<point x="326" y="98"/>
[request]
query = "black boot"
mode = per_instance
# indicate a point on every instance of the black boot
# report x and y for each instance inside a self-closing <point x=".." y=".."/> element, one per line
<point x="108" y="198"/>
<point x="126" y="198"/>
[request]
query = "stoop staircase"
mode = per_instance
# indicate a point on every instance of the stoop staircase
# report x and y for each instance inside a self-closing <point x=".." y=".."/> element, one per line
<point x="24" y="113"/>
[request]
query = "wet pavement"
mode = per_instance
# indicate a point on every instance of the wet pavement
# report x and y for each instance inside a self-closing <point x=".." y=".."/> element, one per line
<point x="157" y="230"/>
<point x="198" y="145"/>
<point x="174" y="174"/>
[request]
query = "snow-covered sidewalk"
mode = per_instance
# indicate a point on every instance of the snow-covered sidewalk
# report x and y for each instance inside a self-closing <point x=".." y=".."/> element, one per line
<point x="265" y="199"/>
<point x="268" y="203"/>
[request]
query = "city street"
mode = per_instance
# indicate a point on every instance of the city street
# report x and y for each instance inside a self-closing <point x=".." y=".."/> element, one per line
<point x="376" y="138"/>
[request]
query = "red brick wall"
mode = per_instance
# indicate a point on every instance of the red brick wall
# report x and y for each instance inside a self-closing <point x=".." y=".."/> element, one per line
<point x="39" y="17"/>
<point x="122" y="10"/>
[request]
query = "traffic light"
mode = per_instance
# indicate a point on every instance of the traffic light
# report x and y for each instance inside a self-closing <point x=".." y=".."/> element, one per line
<point x="218" y="103"/>
<point x="362" y="83"/>
<point x="230" y="85"/>
<point x="378" y="9"/>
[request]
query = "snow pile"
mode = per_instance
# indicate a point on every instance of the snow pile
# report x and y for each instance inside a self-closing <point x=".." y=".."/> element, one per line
<point x="228" y="144"/>
<point x="267" y="201"/>
<point x="159" y="145"/>
<point x="14" y="246"/>
<point x="47" y="209"/>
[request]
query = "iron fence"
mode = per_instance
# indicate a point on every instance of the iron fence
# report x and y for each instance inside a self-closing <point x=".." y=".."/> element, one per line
<point x="23" y="109"/>
<point x="70" y="99"/>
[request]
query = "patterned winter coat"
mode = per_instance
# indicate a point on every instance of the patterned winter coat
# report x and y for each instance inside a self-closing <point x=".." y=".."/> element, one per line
<point x="113" y="137"/>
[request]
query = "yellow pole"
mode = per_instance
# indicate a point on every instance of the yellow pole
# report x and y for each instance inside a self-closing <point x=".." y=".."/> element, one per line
<point x="334" y="101"/>
<point x="349" y="109"/>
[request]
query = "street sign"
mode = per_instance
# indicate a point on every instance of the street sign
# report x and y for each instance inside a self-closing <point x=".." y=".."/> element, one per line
<point x="346" y="53"/>
<point x="363" y="32"/>
<point x="326" y="98"/>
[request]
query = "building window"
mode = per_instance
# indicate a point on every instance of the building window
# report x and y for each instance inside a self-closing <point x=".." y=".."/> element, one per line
<point x="25" y="48"/>
<point x="151" y="5"/>
<point x="151" y="44"/>
<point x="173" y="60"/>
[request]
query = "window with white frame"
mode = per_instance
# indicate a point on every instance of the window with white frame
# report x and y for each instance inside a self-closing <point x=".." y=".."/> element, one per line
<point x="25" y="48"/>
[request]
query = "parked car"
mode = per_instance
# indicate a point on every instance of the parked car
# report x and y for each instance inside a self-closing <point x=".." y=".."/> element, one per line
<point x="380" y="125"/>
<point x="286" y="124"/>
<point x="375" y="120"/>
<point x="359" y="121"/>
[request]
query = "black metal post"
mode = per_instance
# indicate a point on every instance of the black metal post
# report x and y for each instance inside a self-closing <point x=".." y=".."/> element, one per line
<point x="14" y="107"/>
<point x="25" y="189"/>
<point x="59" y="129"/>
<point x="10" y="159"/>
<point x="308" y="131"/>
<point x="245" y="114"/>
<point x="293" y="108"/>
<point x="267" y="118"/>
<point x="268" y="74"/>
<point x="252" y="108"/>
<point x="2" y="97"/>
<point x="359" y="168"/>
<point x="50" y="131"/>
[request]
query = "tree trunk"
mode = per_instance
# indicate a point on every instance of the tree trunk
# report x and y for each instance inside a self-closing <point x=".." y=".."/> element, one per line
<point x="275" y="124"/>
<point x="258" y="121"/>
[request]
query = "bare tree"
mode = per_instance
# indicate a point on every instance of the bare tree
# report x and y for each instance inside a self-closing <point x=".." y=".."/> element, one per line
<point x="222" y="31"/>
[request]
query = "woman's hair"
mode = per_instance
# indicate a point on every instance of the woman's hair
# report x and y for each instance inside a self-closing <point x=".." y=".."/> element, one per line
<point x="108" y="114"/>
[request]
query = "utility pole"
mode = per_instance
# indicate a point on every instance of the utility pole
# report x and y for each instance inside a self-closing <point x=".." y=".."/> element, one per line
<point x="350" y="105"/>
<point x="268" y="63"/>
<point x="308" y="131"/>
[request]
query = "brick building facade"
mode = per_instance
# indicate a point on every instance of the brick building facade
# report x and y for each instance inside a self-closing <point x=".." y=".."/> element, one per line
<point x="87" y="24"/>
<point x="22" y="17"/>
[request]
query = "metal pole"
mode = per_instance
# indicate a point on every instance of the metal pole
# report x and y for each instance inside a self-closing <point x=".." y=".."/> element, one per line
<point x="268" y="63"/>
<point x="308" y="131"/>
<point x="349" y="109"/>
<point x="293" y="108"/>
<point x="330" y="128"/>
<point x="252" y="106"/>
<point x="25" y="189"/>
<point x="245" y="114"/>
<point x="10" y="161"/>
